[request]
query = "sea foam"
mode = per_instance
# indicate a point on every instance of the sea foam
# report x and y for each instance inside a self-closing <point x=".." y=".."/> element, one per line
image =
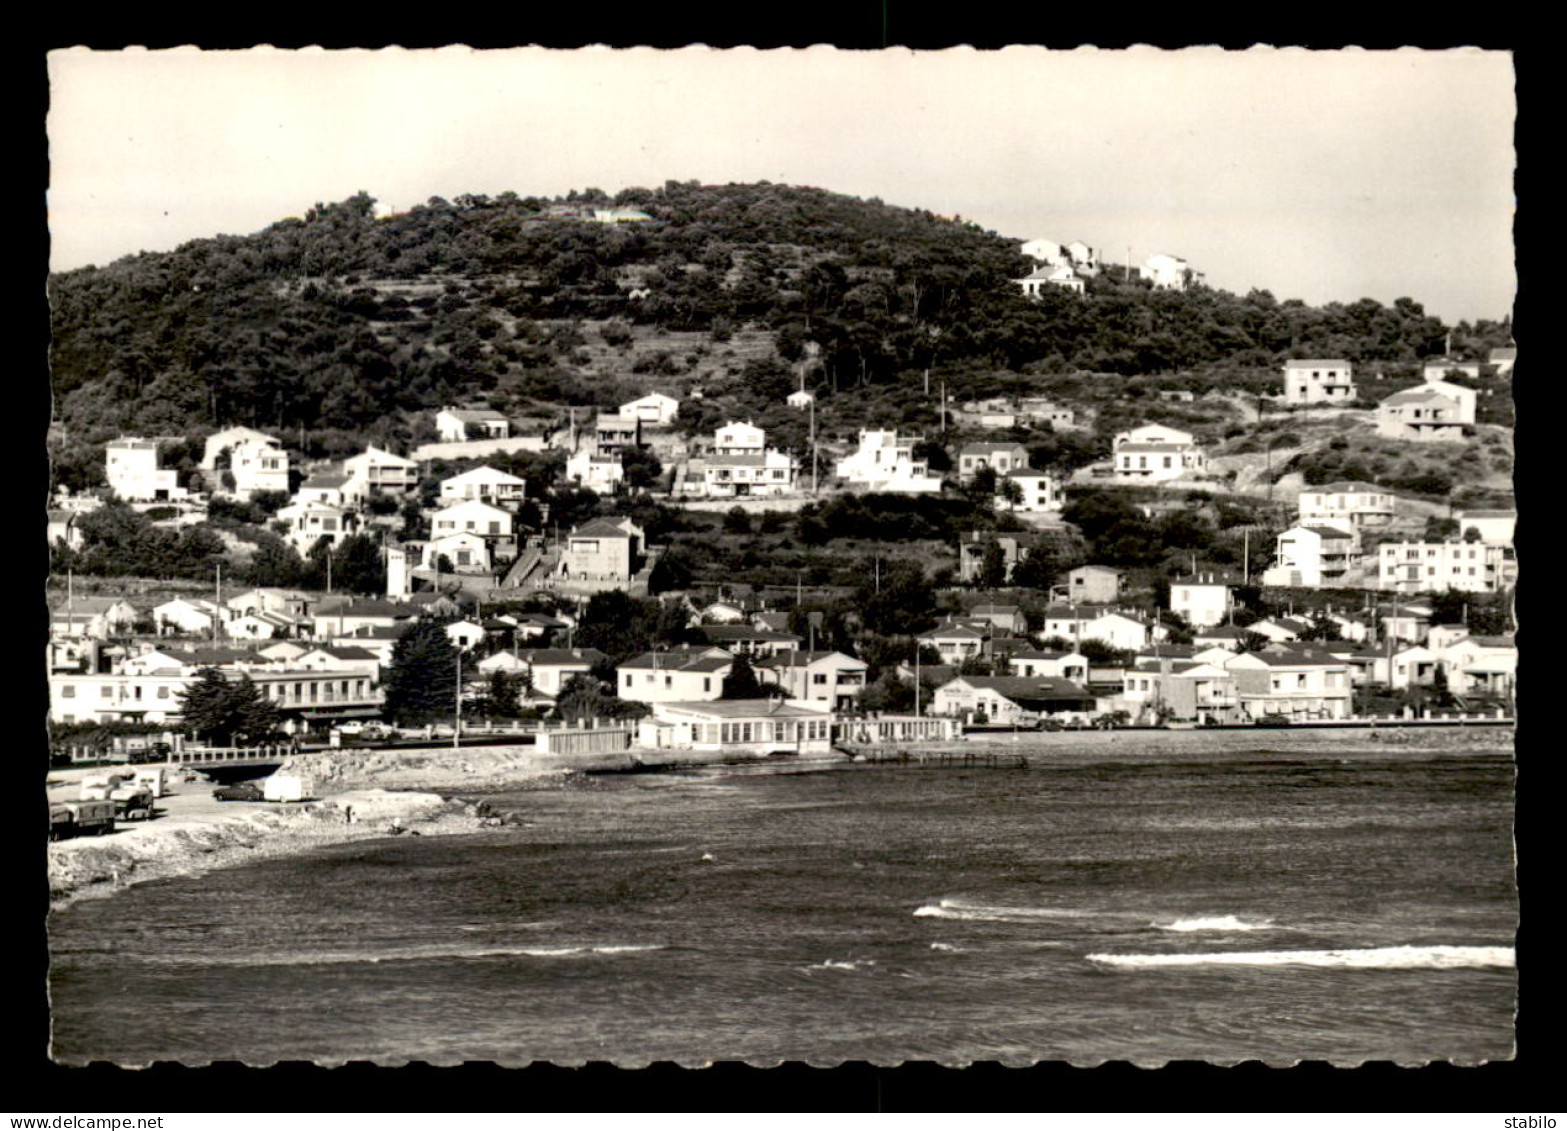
<point x="984" y="912"/>
<point x="1379" y="958"/>
<point x="1216" y="923"/>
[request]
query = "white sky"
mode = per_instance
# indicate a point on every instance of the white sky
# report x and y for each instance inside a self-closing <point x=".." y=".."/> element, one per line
<point x="1317" y="175"/>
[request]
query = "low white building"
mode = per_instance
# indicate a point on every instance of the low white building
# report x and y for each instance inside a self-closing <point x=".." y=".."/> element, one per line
<point x="1034" y="283"/>
<point x="1436" y="368"/>
<point x="308" y="523"/>
<point x="131" y="468"/>
<point x="1169" y="272"/>
<point x="1494" y="527"/>
<point x="455" y="425"/>
<point x="1156" y="452"/>
<point x="1033" y="664"/>
<point x="762" y="473"/>
<point x="193" y="616"/>
<point x="1040" y="491"/>
<point x="738" y="727"/>
<point x="885" y="462"/>
<point x="1316" y="381"/>
<point x="1481" y="665"/>
<point x="472" y="515"/>
<point x="655" y="408"/>
<point x="1090" y="622"/>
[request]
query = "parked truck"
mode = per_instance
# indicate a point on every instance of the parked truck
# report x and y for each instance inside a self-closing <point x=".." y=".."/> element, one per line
<point x="79" y="818"/>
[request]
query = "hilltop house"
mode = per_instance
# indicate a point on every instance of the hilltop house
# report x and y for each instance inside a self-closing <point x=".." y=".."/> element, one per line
<point x="258" y="465"/>
<point x="1169" y="272"/>
<point x="455" y="425"/>
<point x="1313" y="381"/>
<point x="1421" y="414"/>
<point x="1436" y="368"/>
<point x="308" y="523"/>
<point x="1038" y="491"/>
<point x="220" y="442"/>
<point x="1092" y="585"/>
<point x="1035" y="281"/>
<point x="885" y="463"/>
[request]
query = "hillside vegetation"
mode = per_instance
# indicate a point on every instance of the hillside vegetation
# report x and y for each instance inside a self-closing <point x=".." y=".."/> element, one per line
<point x="339" y="327"/>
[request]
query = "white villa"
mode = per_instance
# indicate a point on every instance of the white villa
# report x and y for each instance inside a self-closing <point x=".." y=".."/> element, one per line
<point x="455" y="425"/>
<point x="486" y="484"/>
<point x="655" y="408"/>
<point x="133" y="473"/>
<point x="885" y="462"/>
<point x="1348" y="505"/>
<point x="258" y="465"/>
<point x="1312" y="381"/>
<point x="1156" y="452"/>
<point x="1314" y="556"/>
<point x="1169" y="272"/>
<point x="1430" y="567"/>
<point x="381" y="470"/>
<point x="597" y="472"/>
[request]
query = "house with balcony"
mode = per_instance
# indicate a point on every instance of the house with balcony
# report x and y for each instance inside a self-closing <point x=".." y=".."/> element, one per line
<point x="741" y="475"/>
<point x="827" y="678"/>
<point x="1187" y="690"/>
<point x="1312" y="381"/>
<point x="306" y="699"/>
<point x="1420" y="414"/>
<point x="1349" y="506"/>
<point x="488" y="521"/>
<point x="603" y="549"/>
<point x="885" y="463"/>
<point x="612" y="434"/>
<point x="381" y="470"/>
<point x="332" y="489"/>
<point x="258" y="465"/>
<point x="308" y="523"/>
<point x="1314" y="557"/>
<point x="1034" y="283"/>
<point x="486" y="485"/>
<point x="600" y="473"/>
<point x="1481" y="665"/>
<point x="1298" y="684"/>
<point x="548" y="669"/>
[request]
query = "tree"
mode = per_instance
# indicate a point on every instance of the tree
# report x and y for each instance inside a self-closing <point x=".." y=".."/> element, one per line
<point x="224" y="711"/>
<point x="993" y="569"/>
<point x="742" y="682"/>
<point x="736" y="521"/>
<point x="503" y="693"/>
<point x="642" y="468"/>
<point x="1037" y="570"/>
<point x="421" y="683"/>
<point x="357" y="566"/>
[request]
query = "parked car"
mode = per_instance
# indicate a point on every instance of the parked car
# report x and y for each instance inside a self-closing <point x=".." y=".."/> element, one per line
<point x="1273" y="721"/>
<point x="243" y="791"/>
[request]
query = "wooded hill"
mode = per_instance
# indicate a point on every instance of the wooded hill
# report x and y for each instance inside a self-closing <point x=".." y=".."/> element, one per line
<point x="342" y="322"/>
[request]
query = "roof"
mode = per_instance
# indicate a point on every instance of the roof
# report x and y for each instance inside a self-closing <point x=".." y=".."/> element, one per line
<point x="1223" y="632"/>
<point x="1495" y="641"/>
<point x="485" y="473"/>
<point x="377" y="632"/>
<point x="1488" y="514"/>
<point x="371" y="608"/>
<point x="1305" y="362"/>
<point x="1023" y="689"/>
<point x="1223" y="579"/>
<point x="778" y="622"/>
<point x="1095" y="569"/>
<point x="990" y="610"/>
<point x="717" y="632"/>
<point x="325" y="479"/>
<point x="677" y="662"/>
<point x="1417" y="396"/>
<point x="1136" y="446"/>
<point x="1297" y="659"/>
<point x="802" y="658"/>
<point x="473" y="415"/>
<point x="1326" y="531"/>
<point x="348" y="652"/>
<point x="987" y="447"/>
<point x="1504" y="353"/>
<point x="600" y="528"/>
<point x="548" y="657"/>
<point x="1176" y="666"/>
<point x="1037" y="654"/>
<point x="952" y="632"/>
<point x="1345" y="487"/>
<point x="745" y="709"/>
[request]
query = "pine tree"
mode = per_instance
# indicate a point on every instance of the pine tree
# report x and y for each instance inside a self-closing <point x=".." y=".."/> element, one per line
<point x="422" y="680"/>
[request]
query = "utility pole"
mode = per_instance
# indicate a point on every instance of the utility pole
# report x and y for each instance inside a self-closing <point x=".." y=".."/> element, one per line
<point x="457" y="725"/>
<point x="1246" y="555"/>
<point x="916" y="676"/>
<point x="813" y="446"/>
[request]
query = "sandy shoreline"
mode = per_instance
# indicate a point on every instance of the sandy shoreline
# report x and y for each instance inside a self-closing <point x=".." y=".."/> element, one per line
<point x="422" y="792"/>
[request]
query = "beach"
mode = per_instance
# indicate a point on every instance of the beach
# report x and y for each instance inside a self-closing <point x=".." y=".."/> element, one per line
<point x="423" y="791"/>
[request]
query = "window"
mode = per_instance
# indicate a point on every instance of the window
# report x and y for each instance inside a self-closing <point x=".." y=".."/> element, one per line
<point x="707" y="683"/>
<point x="163" y="691"/>
<point x="819" y="678"/>
<point x="68" y="691"/>
<point x="669" y="681"/>
<point x="106" y="692"/>
<point x="628" y="679"/>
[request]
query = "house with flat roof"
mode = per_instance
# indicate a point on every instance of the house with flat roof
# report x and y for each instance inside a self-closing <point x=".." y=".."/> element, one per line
<point x="1300" y="684"/>
<point x="831" y="679"/>
<point x="1351" y="506"/>
<point x="455" y="425"/>
<point x="1310" y="381"/>
<point x="885" y="463"/>
<point x="131" y="468"/>
<point x="1314" y="556"/>
<point x="735" y="727"/>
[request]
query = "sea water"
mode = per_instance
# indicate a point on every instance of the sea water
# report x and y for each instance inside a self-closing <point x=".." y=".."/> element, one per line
<point x="1247" y="908"/>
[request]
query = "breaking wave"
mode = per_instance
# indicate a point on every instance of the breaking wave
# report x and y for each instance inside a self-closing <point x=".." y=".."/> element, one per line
<point x="991" y="913"/>
<point x="402" y="954"/>
<point x="1216" y="923"/>
<point x="829" y="964"/>
<point x="1379" y="958"/>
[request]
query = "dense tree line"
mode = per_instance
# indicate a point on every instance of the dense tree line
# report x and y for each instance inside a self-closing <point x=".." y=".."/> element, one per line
<point x="288" y="327"/>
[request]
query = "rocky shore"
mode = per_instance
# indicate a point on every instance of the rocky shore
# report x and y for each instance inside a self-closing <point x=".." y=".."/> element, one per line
<point x="189" y="838"/>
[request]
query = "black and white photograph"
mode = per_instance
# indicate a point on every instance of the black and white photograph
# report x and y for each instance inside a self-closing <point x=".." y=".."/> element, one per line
<point x="731" y="555"/>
